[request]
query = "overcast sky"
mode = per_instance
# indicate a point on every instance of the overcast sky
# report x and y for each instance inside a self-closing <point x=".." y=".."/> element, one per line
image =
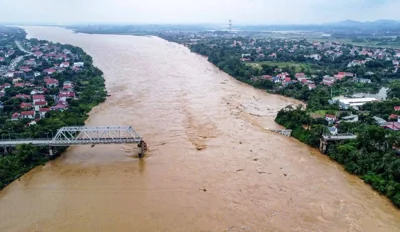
<point x="199" y="11"/>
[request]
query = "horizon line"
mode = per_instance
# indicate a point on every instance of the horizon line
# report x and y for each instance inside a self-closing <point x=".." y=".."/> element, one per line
<point x="184" y="24"/>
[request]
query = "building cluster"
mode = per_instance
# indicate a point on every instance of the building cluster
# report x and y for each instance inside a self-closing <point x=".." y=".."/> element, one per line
<point x="36" y="73"/>
<point x="391" y="123"/>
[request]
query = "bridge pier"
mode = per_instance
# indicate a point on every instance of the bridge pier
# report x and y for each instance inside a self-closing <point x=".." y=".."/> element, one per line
<point x="51" y="153"/>
<point x="142" y="148"/>
<point x="323" y="146"/>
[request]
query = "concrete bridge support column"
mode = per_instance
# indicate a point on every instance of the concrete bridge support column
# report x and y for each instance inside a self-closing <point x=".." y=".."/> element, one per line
<point x="323" y="146"/>
<point x="51" y="153"/>
<point x="142" y="148"/>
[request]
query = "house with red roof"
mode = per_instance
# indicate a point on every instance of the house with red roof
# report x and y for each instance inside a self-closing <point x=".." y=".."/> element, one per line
<point x="330" y="118"/>
<point x="49" y="71"/>
<point x="38" y="54"/>
<point x="6" y="86"/>
<point x="63" y="96"/>
<point x="64" y="64"/>
<point x="51" y="83"/>
<point x="43" y="111"/>
<point x="287" y="81"/>
<point x="22" y="96"/>
<point x="393" y="117"/>
<point x="37" y="98"/>
<point x="25" y="105"/>
<point x="342" y="75"/>
<point x="312" y="86"/>
<point x="28" y="114"/>
<point x="15" y="116"/>
<point x="328" y="80"/>
<point x="21" y="85"/>
<point x="339" y="77"/>
<point x="61" y="106"/>
<point x="300" y="75"/>
<point x="39" y="104"/>
<point x="394" y="126"/>
<point x="397" y="108"/>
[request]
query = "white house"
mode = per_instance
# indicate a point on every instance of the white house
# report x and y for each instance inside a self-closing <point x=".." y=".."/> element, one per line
<point x="364" y="80"/>
<point x="9" y="75"/>
<point x="351" y="118"/>
<point x="330" y="118"/>
<point x="78" y="64"/>
<point x="38" y="98"/>
<point x="43" y="111"/>
<point x="64" y="65"/>
<point x="346" y="103"/>
<point x="39" y="104"/>
<point x="333" y="130"/>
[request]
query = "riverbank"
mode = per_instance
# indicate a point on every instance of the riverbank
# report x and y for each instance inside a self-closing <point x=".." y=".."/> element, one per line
<point x="178" y="101"/>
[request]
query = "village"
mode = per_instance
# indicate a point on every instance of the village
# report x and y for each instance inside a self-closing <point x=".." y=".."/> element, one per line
<point x="30" y="83"/>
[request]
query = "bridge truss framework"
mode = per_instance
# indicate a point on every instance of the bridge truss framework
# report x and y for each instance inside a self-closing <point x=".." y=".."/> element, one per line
<point x="84" y="135"/>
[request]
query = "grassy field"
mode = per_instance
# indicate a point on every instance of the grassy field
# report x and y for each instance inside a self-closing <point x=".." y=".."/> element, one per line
<point x="322" y="113"/>
<point x="298" y="66"/>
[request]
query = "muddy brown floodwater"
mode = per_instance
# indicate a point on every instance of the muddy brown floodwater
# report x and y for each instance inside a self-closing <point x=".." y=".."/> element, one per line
<point x="212" y="166"/>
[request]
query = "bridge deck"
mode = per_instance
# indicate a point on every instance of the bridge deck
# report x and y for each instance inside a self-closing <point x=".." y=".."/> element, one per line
<point x="282" y="132"/>
<point x="339" y="137"/>
<point x="65" y="143"/>
<point x="68" y="136"/>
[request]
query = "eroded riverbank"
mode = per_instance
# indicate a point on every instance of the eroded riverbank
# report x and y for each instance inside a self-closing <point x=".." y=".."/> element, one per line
<point x="180" y="103"/>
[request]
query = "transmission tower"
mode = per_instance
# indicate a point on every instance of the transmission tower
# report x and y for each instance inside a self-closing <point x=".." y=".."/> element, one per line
<point x="230" y="25"/>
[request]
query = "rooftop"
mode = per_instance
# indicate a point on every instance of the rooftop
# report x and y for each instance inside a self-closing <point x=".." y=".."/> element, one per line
<point x="357" y="100"/>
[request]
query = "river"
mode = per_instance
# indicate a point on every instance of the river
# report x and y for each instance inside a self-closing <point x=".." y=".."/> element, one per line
<point x="211" y="164"/>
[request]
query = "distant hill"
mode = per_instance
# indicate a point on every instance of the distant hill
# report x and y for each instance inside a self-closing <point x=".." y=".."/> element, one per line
<point x="352" y="23"/>
<point x="381" y="26"/>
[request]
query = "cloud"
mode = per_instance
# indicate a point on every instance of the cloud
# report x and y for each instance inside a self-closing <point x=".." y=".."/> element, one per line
<point x="199" y="11"/>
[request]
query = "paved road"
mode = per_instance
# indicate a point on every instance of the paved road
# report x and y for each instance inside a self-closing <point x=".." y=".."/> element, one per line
<point x="21" y="48"/>
<point x="15" y="62"/>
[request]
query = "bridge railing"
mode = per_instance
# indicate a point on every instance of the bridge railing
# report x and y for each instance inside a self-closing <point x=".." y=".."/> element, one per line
<point x="36" y="139"/>
<point x="345" y="136"/>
